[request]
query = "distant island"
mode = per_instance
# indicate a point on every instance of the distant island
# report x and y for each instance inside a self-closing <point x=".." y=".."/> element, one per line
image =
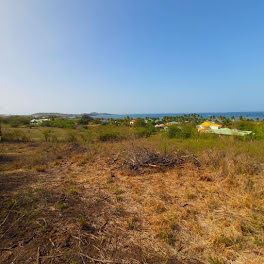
<point x="69" y="115"/>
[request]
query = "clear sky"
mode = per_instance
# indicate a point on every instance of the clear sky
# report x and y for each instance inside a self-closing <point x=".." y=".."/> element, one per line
<point x="131" y="56"/>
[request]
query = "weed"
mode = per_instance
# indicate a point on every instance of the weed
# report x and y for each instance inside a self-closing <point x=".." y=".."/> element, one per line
<point x="119" y="192"/>
<point x="40" y="168"/>
<point x="72" y="191"/>
<point x="168" y="237"/>
<point x="228" y="241"/>
<point x="215" y="260"/>
<point x="132" y="223"/>
<point x="119" y="198"/>
<point x="109" y="136"/>
<point x="61" y="205"/>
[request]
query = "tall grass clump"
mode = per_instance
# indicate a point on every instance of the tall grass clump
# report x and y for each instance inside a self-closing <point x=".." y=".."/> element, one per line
<point x="71" y="136"/>
<point x="109" y="136"/>
<point x="16" y="136"/>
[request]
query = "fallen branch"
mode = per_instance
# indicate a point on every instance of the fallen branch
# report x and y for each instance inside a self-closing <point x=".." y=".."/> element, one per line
<point x="38" y="257"/>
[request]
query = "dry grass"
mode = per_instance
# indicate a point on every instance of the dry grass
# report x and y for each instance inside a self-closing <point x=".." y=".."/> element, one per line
<point x="83" y="207"/>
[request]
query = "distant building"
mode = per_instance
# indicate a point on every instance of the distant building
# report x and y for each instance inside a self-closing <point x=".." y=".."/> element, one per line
<point x="172" y="123"/>
<point x="105" y="121"/>
<point x="160" y="126"/>
<point x="207" y="126"/>
<point x="38" y="121"/>
<point x="133" y="122"/>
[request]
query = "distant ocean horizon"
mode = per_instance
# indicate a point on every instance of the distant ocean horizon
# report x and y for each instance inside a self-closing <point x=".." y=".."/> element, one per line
<point x="250" y="115"/>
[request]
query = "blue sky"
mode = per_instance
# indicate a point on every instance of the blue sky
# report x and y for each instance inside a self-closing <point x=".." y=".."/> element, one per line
<point x="131" y="56"/>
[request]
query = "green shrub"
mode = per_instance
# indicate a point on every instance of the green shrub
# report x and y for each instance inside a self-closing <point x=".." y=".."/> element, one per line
<point x="259" y="131"/>
<point x="174" y="132"/>
<point x="184" y="131"/>
<point x="85" y="119"/>
<point x="47" y="133"/>
<point x="60" y="122"/>
<point x="140" y="122"/>
<point x="144" y="132"/>
<point x="16" y="121"/>
<point x="109" y="136"/>
<point x="247" y="125"/>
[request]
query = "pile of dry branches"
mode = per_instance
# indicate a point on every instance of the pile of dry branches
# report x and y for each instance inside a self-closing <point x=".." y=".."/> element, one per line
<point x="138" y="159"/>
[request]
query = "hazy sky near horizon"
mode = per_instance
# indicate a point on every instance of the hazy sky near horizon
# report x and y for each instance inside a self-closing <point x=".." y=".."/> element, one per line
<point x="131" y="56"/>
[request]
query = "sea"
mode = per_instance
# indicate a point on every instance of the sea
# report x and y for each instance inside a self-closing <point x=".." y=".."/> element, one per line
<point x="250" y="115"/>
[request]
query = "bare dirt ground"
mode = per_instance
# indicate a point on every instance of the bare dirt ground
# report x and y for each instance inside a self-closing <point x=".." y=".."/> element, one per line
<point x="70" y="204"/>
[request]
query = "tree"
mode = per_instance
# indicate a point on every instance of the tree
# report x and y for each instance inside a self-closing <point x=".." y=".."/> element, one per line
<point x="47" y="133"/>
<point x="140" y="122"/>
<point x="85" y="119"/>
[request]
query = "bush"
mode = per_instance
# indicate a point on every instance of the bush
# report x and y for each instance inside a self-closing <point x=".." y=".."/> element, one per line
<point x="61" y="123"/>
<point x="259" y="131"/>
<point x="47" y="133"/>
<point x="16" y="135"/>
<point x="174" y="132"/>
<point x="144" y="132"/>
<point x="140" y="122"/>
<point x="247" y="125"/>
<point x="109" y="136"/>
<point x="189" y="131"/>
<point x="185" y="131"/>
<point x="16" y="121"/>
<point x="85" y="119"/>
<point x="71" y="136"/>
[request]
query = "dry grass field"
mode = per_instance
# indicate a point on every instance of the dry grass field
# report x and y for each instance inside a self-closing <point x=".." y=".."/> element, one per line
<point x="64" y="202"/>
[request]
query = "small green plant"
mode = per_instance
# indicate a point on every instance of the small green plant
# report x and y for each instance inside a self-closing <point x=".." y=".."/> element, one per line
<point x="229" y="241"/>
<point x="44" y="228"/>
<point x="72" y="191"/>
<point x="168" y="237"/>
<point x="119" y="198"/>
<point x="132" y="223"/>
<point x="215" y="260"/>
<point x="84" y="224"/>
<point x="110" y="180"/>
<point x="61" y="205"/>
<point x="119" y="192"/>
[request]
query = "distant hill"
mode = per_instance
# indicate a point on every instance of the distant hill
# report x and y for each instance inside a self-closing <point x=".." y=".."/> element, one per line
<point x="68" y="115"/>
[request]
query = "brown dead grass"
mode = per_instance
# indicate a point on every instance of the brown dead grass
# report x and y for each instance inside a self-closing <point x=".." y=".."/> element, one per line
<point x="83" y="207"/>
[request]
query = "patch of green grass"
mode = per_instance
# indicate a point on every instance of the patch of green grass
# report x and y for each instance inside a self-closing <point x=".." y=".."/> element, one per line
<point x="72" y="191"/>
<point x="119" y="198"/>
<point x="132" y="223"/>
<point x="229" y="241"/>
<point x="215" y="260"/>
<point x="119" y="192"/>
<point x="168" y="237"/>
<point x="61" y="205"/>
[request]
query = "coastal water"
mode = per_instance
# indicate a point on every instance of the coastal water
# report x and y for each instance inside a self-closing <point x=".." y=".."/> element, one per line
<point x="250" y="115"/>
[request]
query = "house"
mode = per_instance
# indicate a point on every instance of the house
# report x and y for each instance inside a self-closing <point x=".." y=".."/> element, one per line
<point x="229" y="132"/>
<point x="133" y="122"/>
<point x="160" y="126"/>
<point x="105" y="121"/>
<point x="207" y="125"/>
<point x="172" y="123"/>
<point x="38" y="121"/>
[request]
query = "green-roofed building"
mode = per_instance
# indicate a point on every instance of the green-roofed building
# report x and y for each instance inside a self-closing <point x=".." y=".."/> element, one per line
<point x="229" y="132"/>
